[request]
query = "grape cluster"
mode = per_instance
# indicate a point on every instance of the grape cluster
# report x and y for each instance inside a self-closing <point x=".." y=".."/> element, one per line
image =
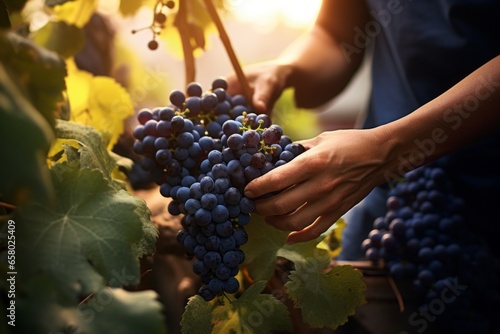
<point x="203" y="150"/>
<point x="424" y="238"/>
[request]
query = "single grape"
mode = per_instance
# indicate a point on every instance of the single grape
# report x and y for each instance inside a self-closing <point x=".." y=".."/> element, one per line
<point x="153" y="45"/>
<point x="194" y="89"/>
<point x="160" y="18"/>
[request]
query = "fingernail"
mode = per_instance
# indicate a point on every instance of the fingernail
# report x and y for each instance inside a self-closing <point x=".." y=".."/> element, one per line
<point x="248" y="194"/>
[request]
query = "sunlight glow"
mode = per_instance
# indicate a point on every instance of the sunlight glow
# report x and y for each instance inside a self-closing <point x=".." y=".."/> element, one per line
<point x="293" y="13"/>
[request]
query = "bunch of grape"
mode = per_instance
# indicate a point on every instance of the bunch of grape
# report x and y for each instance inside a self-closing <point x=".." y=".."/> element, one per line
<point x="424" y="238"/>
<point x="203" y="150"/>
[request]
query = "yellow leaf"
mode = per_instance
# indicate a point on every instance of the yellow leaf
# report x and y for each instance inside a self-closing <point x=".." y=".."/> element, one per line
<point x="76" y="12"/>
<point x="78" y="87"/>
<point x="99" y="102"/>
<point x="333" y="242"/>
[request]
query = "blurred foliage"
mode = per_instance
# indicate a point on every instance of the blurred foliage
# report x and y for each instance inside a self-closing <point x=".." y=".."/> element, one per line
<point x="297" y="123"/>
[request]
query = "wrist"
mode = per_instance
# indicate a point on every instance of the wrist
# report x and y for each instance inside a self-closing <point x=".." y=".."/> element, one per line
<point x="390" y="147"/>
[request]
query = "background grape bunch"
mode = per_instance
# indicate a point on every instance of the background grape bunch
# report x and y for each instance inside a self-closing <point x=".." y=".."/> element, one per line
<point x="424" y="238"/>
<point x="203" y="150"/>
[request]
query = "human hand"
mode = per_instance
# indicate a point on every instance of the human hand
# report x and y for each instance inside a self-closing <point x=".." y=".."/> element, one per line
<point x="316" y="188"/>
<point x="267" y="81"/>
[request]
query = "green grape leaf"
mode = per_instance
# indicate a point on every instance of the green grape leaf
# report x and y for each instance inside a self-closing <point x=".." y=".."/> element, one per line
<point x="60" y="37"/>
<point x="38" y="73"/>
<point x="93" y="152"/>
<point x="150" y="232"/>
<point x="108" y="310"/>
<point x="121" y="161"/>
<point x="263" y="244"/>
<point x="86" y="240"/>
<point x="197" y="317"/>
<point x="130" y="7"/>
<point x="326" y="299"/>
<point x="52" y="3"/>
<point x="306" y="254"/>
<point x="126" y="312"/>
<point x="27" y="137"/>
<point x="253" y="312"/>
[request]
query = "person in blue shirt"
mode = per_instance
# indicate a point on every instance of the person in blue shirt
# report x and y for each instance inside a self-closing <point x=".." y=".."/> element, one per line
<point x="435" y="91"/>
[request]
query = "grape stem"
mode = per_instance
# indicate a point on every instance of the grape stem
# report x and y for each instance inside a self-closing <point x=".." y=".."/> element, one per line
<point x="395" y="289"/>
<point x="229" y="49"/>
<point x="184" y="31"/>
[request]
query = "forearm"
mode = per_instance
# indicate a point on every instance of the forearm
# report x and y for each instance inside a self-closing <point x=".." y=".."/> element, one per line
<point x="463" y="114"/>
<point x="322" y="63"/>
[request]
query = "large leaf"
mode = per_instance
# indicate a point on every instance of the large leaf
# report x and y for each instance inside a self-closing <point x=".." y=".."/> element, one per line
<point x="85" y="148"/>
<point x="253" y="312"/>
<point x="87" y="239"/>
<point x="39" y="73"/>
<point x="327" y="299"/>
<point x="197" y="318"/>
<point x="263" y="244"/>
<point x="92" y="148"/>
<point x="150" y="232"/>
<point x="60" y="37"/>
<point x="99" y="102"/>
<point x="306" y="255"/>
<point x="106" y="311"/>
<point x="26" y="138"/>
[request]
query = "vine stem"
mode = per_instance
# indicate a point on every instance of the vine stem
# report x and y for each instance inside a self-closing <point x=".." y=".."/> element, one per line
<point x="184" y="32"/>
<point x="229" y="50"/>
<point x="7" y="206"/>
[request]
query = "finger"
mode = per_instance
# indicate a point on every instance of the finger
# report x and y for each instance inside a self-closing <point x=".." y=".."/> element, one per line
<point x="233" y="85"/>
<point x="308" y="144"/>
<point x="285" y="202"/>
<point x="259" y="105"/>
<point x="299" y="219"/>
<point x="262" y="96"/>
<point x="278" y="179"/>
<point x="314" y="230"/>
<point x="283" y="222"/>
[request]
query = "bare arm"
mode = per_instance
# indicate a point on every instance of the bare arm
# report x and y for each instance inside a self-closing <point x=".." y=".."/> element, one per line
<point x="316" y="65"/>
<point x="321" y="65"/>
<point x="341" y="167"/>
<point x="464" y="113"/>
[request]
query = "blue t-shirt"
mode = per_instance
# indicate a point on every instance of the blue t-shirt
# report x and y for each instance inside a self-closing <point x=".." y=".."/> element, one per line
<point x="422" y="48"/>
